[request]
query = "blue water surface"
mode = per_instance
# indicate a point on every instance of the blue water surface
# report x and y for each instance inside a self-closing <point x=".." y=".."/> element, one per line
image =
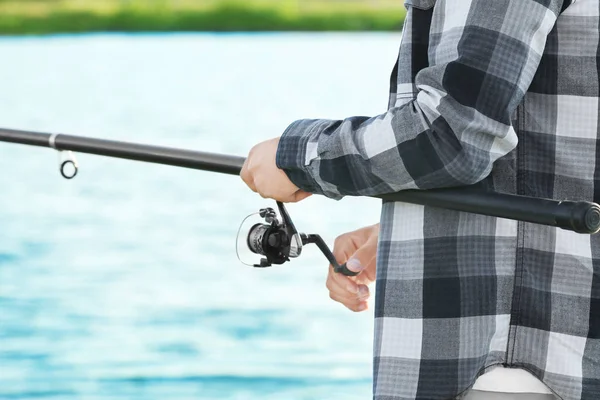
<point x="124" y="283"/>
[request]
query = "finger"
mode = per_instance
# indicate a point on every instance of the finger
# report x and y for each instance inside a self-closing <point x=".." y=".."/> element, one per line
<point x="263" y="187"/>
<point x="247" y="176"/>
<point x="343" y="247"/>
<point x="361" y="293"/>
<point x="343" y="281"/>
<point x="369" y="274"/>
<point x="363" y="257"/>
<point x="270" y="189"/>
<point x="294" y="197"/>
<point x="291" y="198"/>
<point x="342" y="288"/>
<point x="299" y="196"/>
<point x="353" y="304"/>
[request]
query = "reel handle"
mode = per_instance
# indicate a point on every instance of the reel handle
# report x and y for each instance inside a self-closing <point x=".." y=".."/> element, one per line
<point x="343" y="269"/>
<point x="318" y="240"/>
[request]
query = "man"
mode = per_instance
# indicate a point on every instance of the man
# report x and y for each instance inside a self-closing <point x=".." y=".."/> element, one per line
<point x="459" y="294"/>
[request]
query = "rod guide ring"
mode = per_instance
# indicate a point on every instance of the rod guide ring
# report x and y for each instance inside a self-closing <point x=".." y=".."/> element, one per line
<point x="67" y="165"/>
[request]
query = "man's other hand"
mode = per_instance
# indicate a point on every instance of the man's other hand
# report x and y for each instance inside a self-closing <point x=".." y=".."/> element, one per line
<point x="358" y="249"/>
<point x="261" y="175"/>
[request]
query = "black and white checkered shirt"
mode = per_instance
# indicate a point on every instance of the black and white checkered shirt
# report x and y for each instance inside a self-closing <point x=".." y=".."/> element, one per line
<point x="457" y="293"/>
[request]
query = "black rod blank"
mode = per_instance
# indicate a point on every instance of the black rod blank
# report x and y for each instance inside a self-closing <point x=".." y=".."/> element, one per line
<point x="581" y="217"/>
<point x="131" y="151"/>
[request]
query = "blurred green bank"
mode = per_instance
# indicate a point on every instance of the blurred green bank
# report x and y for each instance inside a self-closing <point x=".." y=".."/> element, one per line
<point x="75" y="16"/>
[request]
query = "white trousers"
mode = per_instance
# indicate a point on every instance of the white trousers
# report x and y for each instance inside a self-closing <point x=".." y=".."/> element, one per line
<point x="481" y="395"/>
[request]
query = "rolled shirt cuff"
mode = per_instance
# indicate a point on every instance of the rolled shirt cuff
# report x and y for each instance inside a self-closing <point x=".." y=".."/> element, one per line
<point x="291" y="156"/>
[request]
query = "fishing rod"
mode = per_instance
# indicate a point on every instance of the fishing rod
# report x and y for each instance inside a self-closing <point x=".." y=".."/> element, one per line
<point x="276" y="239"/>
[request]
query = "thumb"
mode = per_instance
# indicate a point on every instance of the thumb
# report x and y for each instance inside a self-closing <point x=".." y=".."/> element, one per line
<point x="363" y="256"/>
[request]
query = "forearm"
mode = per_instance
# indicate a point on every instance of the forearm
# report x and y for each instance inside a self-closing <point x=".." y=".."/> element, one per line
<point x="410" y="147"/>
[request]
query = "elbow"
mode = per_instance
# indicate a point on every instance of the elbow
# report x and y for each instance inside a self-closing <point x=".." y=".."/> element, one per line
<point x="474" y="163"/>
<point x="463" y="169"/>
<point x="456" y="151"/>
<point x="446" y="163"/>
<point x="470" y="169"/>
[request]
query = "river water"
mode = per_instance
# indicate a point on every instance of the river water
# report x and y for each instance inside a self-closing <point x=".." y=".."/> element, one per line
<point x="124" y="283"/>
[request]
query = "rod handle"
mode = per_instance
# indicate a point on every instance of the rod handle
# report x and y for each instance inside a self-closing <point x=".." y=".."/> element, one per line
<point x="578" y="216"/>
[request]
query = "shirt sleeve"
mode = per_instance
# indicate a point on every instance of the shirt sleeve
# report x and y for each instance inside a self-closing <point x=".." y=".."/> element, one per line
<point x="483" y="55"/>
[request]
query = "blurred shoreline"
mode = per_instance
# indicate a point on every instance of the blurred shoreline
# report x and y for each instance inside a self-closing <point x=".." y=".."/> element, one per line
<point x="19" y="17"/>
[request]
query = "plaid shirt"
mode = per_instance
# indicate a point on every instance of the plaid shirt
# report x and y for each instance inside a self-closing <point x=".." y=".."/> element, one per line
<point x="458" y="293"/>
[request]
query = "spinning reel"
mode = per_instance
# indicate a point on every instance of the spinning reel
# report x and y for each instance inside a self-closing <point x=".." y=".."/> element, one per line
<point x="277" y="240"/>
